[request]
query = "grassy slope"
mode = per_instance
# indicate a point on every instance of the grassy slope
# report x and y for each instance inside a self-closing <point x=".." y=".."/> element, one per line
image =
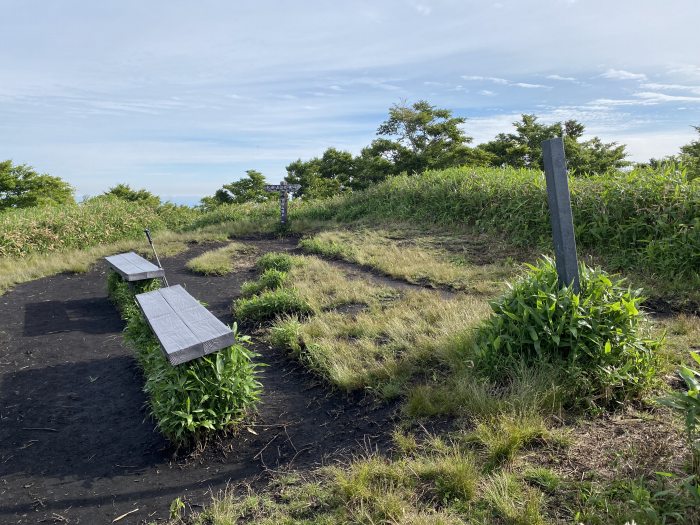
<point x="506" y="457"/>
<point x="510" y="455"/>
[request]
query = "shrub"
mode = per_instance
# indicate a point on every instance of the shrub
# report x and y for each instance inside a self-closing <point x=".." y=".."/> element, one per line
<point x="99" y="220"/>
<point x="594" y="335"/>
<point x="270" y="280"/>
<point x="269" y="305"/>
<point x="211" y="393"/>
<point x="275" y="261"/>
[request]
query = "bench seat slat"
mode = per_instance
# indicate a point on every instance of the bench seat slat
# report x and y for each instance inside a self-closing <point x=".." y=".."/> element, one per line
<point x="133" y="267"/>
<point x="185" y="329"/>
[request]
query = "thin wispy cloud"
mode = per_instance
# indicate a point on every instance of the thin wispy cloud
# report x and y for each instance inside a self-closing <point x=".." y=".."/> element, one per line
<point x="621" y="74"/>
<point x="563" y="79"/>
<point x="505" y="82"/>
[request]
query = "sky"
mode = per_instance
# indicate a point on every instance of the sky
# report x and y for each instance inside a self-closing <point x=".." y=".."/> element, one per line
<point x="181" y="97"/>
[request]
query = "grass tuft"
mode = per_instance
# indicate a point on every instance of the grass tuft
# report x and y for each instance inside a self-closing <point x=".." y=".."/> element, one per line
<point x="220" y="261"/>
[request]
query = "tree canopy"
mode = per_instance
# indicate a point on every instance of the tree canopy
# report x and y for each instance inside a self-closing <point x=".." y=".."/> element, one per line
<point x="22" y="187"/>
<point x="420" y="137"/>
<point x="523" y="149"/>
<point x="690" y="156"/>
<point x="251" y="188"/>
<point x="125" y="192"/>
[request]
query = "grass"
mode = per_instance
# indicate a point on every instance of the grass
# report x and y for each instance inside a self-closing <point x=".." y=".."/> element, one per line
<point x="100" y="220"/>
<point x="220" y="261"/>
<point x="645" y="220"/>
<point x="16" y="270"/>
<point x="412" y="258"/>
<point x="360" y="334"/>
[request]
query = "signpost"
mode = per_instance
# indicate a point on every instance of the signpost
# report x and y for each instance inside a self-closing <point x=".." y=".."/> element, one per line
<point x="284" y="190"/>
<point x="560" y="212"/>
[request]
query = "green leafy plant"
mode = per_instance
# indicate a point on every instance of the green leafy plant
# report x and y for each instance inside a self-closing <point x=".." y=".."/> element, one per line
<point x="688" y="404"/>
<point x="212" y="393"/>
<point x="270" y="279"/>
<point x="596" y="335"/>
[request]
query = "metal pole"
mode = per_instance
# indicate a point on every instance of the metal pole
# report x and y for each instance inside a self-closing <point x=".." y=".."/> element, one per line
<point x="150" y="241"/>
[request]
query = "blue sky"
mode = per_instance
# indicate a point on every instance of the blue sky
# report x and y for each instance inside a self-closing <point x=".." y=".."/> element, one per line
<point x="181" y="97"/>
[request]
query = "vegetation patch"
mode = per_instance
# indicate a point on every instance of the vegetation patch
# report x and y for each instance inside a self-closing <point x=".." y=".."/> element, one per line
<point x="407" y="260"/>
<point x="358" y="334"/>
<point x="596" y="337"/>
<point x="645" y="220"/>
<point x="99" y="220"/>
<point x="220" y="261"/>
<point x="189" y="401"/>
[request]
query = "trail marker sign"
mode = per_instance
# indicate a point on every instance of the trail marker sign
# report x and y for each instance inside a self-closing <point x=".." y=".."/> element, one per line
<point x="284" y="190"/>
<point x="560" y="214"/>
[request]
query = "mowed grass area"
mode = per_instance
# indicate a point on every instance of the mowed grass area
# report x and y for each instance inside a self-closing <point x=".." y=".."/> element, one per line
<point x="221" y="261"/>
<point x="415" y="257"/>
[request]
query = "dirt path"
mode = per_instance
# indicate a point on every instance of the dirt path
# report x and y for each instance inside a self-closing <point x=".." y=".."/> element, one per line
<point x="76" y="445"/>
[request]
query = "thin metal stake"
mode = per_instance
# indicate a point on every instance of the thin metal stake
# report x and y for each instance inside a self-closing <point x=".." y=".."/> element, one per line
<point x="150" y="241"/>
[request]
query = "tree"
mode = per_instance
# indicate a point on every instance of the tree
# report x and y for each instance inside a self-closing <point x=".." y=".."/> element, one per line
<point x="22" y="187"/>
<point x="328" y="175"/>
<point x="690" y="157"/>
<point x="125" y="192"/>
<point x="420" y="137"/>
<point x="523" y="149"/>
<point x="248" y="189"/>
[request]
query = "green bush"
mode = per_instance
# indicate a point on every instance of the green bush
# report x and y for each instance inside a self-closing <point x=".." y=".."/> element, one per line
<point x="275" y="261"/>
<point x="269" y="305"/>
<point x="595" y="336"/>
<point x="211" y="393"/>
<point x="270" y="280"/>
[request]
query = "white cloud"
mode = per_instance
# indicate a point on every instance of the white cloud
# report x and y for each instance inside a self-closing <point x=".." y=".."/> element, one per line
<point x="422" y="9"/>
<point x="486" y="93"/>
<point x="621" y="74"/>
<point x="561" y="78"/>
<point x="671" y="87"/>
<point x="662" y="97"/>
<point x="504" y="82"/>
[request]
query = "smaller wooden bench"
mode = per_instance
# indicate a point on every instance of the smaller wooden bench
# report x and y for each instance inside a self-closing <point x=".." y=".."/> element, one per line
<point x="133" y="267"/>
<point x="185" y="329"/>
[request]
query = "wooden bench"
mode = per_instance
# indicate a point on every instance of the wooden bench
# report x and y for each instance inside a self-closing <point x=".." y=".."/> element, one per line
<point x="133" y="267"/>
<point x="185" y="329"/>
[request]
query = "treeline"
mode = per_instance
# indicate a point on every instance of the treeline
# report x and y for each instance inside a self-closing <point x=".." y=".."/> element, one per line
<point x="422" y="137"/>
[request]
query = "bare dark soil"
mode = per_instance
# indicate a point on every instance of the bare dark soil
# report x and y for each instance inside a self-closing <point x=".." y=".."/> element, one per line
<point x="76" y="443"/>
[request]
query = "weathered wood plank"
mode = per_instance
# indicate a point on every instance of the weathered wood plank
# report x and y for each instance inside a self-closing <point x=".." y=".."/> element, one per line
<point x="133" y="267"/>
<point x="185" y="329"/>
<point x="213" y="334"/>
<point x="560" y="213"/>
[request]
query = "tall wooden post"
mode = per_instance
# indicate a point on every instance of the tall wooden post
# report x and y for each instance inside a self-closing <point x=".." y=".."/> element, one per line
<point x="560" y="212"/>
<point x="284" y="189"/>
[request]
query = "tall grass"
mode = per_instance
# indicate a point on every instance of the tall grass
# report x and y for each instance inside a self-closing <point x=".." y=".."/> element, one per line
<point x="98" y="221"/>
<point x="212" y="393"/>
<point x="646" y="219"/>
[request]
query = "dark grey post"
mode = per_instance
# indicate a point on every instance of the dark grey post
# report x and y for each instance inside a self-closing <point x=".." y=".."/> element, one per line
<point x="284" y="188"/>
<point x="560" y="212"/>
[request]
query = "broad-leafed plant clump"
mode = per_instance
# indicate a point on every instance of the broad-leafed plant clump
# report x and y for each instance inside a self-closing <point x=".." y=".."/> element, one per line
<point x="211" y="393"/>
<point x="595" y="336"/>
